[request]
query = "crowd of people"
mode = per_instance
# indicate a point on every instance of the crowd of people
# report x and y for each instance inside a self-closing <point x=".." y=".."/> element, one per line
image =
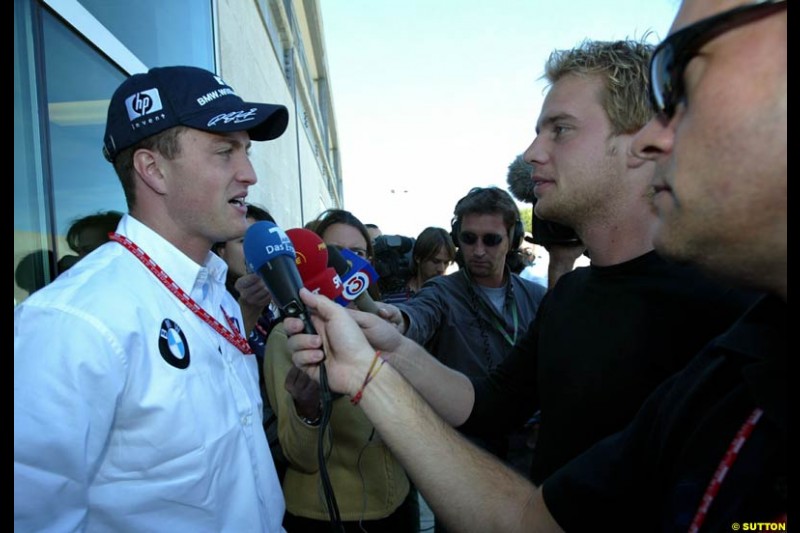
<point x="645" y="391"/>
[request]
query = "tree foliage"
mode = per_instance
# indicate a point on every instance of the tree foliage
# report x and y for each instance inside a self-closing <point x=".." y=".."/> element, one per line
<point x="525" y="214"/>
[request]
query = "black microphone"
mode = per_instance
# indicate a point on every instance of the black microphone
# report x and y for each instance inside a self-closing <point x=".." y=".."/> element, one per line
<point x="268" y="251"/>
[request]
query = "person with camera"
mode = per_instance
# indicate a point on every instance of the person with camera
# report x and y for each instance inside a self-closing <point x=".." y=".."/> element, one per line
<point x="374" y="232"/>
<point x="431" y="254"/>
<point x="392" y="262"/>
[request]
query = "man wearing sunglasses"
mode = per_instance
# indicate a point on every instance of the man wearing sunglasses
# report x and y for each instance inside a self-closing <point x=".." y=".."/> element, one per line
<point x="472" y="318"/>
<point x="707" y="451"/>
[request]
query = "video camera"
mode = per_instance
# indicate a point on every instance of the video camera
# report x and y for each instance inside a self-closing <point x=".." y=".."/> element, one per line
<point x="392" y="261"/>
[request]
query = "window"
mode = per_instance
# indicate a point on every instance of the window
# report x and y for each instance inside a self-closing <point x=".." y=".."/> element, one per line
<point x="79" y="83"/>
<point x="159" y="33"/>
<point x="32" y="261"/>
<point x="63" y="81"/>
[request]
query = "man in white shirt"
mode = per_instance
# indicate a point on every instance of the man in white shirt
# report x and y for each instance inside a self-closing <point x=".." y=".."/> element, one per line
<point x="136" y="399"/>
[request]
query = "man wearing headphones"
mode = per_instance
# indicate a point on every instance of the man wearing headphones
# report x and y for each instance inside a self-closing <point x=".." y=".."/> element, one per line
<point x="472" y="318"/>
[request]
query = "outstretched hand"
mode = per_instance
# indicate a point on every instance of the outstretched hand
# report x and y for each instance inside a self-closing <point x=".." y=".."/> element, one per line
<point x="381" y="334"/>
<point x="393" y="315"/>
<point x="347" y="353"/>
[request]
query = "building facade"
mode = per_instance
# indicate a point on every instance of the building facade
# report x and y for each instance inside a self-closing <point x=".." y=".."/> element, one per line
<point x="69" y="57"/>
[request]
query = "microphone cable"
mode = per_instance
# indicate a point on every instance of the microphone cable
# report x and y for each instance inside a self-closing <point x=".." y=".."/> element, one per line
<point x="325" y="418"/>
<point x="270" y="252"/>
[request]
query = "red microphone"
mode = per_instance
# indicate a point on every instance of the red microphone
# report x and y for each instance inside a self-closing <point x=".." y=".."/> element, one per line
<point x="312" y="263"/>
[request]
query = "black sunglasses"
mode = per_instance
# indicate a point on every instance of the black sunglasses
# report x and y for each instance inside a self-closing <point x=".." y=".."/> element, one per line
<point x="671" y="57"/>
<point x="489" y="239"/>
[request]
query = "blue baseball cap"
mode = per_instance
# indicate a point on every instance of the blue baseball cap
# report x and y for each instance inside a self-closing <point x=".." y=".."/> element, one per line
<point x="165" y="97"/>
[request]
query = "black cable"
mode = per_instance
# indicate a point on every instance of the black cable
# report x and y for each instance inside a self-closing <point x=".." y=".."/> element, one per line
<point x="327" y="488"/>
<point x="363" y="481"/>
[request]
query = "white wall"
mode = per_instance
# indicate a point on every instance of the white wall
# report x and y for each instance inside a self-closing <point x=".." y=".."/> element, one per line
<point x="248" y="62"/>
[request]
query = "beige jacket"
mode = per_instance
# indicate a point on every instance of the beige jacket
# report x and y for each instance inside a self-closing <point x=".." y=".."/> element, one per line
<point x="368" y="481"/>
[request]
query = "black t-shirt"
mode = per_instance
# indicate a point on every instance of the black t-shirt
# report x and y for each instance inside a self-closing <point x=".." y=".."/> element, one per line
<point x="652" y="476"/>
<point x="603" y="339"/>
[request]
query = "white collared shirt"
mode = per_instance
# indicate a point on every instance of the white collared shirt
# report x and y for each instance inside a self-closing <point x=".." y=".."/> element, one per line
<point x="130" y="412"/>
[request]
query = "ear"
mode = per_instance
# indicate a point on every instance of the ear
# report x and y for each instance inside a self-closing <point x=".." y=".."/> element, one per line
<point x="147" y="165"/>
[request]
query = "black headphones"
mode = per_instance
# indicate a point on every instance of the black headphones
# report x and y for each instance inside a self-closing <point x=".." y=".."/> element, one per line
<point x="517" y="232"/>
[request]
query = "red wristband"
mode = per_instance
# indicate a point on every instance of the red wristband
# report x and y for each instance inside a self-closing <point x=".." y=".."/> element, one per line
<point x="370" y="374"/>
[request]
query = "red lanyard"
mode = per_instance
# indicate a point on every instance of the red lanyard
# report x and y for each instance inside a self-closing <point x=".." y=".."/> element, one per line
<point x="233" y="335"/>
<point x="724" y="465"/>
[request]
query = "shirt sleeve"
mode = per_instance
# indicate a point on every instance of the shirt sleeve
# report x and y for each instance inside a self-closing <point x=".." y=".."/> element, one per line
<point x="425" y="313"/>
<point x="298" y="440"/>
<point x="64" y="403"/>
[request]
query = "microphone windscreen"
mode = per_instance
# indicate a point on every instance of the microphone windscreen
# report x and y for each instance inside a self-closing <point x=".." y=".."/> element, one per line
<point x="326" y="283"/>
<point x="520" y="184"/>
<point x="311" y="252"/>
<point x="263" y="242"/>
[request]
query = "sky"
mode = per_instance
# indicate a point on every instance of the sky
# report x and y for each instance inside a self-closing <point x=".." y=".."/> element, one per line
<point x="434" y="97"/>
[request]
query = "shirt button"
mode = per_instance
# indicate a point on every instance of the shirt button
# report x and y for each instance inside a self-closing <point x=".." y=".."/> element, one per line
<point x="246" y="420"/>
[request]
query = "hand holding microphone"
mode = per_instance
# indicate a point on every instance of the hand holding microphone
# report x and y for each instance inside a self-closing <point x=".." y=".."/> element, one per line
<point x="357" y="275"/>
<point x="270" y="253"/>
<point x="349" y="353"/>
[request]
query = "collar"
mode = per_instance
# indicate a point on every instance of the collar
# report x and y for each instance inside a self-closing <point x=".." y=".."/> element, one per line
<point x="180" y="267"/>
<point x="760" y="338"/>
<point x="634" y="264"/>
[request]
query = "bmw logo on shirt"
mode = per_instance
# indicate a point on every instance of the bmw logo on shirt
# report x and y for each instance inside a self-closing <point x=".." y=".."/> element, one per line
<point x="172" y="344"/>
